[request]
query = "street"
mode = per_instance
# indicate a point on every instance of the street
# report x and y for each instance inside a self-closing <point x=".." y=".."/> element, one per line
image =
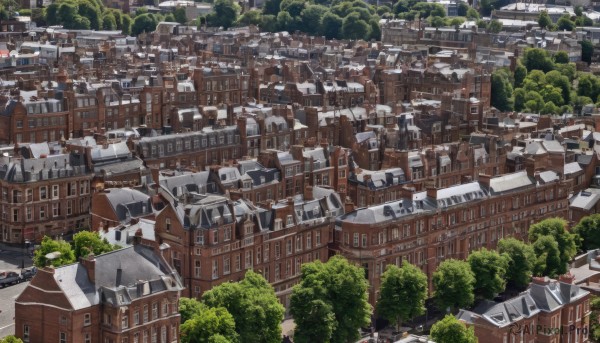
<point x="10" y="260"/>
<point x="7" y="306"/>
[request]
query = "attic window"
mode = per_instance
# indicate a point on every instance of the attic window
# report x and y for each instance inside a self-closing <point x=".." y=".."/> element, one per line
<point x="498" y="318"/>
<point x="290" y="220"/>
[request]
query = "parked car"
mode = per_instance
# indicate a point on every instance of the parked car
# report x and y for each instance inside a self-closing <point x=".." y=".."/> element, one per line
<point x="28" y="273"/>
<point x="9" y="278"/>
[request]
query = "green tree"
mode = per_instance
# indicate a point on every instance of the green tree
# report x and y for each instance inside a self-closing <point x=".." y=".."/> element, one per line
<point x="520" y="74"/>
<point x="331" y="26"/>
<point x="502" y="90"/>
<point x="375" y="31"/>
<point x="86" y="242"/>
<point x="11" y="339"/>
<point x="49" y="245"/>
<point x="548" y="257"/>
<point x="587" y="51"/>
<point x="180" y="15"/>
<point x="225" y="14"/>
<point x="519" y="99"/>
<point x="90" y="11"/>
<point x="544" y="20"/>
<point x="253" y="305"/>
<point x="338" y="291"/>
<point x="588" y="230"/>
<point x="472" y="14"/>
<point x="565" y="23"/>
<point x="557" y="228"/>
<point x="561" y="57"/>
<point x="494" y="26"/>
<point x="311" y="17"/>
<point x="271" y="7"/>
<point x="170" y="18"/>
<point x="550" y="108"/>
<point x="252" y="17"/>
<point x="437" y="21"/>
<point x="268" y="23"/>
<point x="208" y="323"/>
<point x="188" y="307"/>
<point x="355" y="28"/>
<point x="454" y="284"/>
<point x="402" y="294"/>
<point x="537" y="59"/>
<point x="293" y="7"/>
<point x="143" y="23"/>
<point x="521" y="259"/>
<point x="109" y="22"/>
<point x="451" y="330"/>
<point x="489" y="268"/>
<point x="126" y="24"/>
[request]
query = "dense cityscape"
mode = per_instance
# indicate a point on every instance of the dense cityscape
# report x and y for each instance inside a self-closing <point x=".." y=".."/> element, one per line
<point x="299" y="171"/>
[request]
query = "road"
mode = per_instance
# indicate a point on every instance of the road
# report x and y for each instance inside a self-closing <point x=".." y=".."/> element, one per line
<point x="10" y="260"/>
<point x="7" y="306"/>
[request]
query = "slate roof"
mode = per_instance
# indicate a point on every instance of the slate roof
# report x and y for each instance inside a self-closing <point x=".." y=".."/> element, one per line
<point x="116" y="273"/>
<point x="128" y="203"/>
<point x="510" y="182"/>
<point x="585" y="200"/>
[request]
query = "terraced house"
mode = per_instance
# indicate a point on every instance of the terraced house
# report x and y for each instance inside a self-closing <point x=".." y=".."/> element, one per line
<point x="427" y="227"/>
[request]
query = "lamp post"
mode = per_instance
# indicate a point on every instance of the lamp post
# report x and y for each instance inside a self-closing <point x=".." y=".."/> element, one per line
<point x="25" y="246"/>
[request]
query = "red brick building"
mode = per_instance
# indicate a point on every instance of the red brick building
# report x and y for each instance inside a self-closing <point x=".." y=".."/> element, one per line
<point x="44" y="192"/>
<point x="128" y="295"/>
<point x="427" y="227"/>
<point x="549" y="311"/>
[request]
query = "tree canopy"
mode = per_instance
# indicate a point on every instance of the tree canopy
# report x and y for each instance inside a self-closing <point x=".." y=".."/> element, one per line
<point x="588" y="230"/>
<point x="49" y="245"/>
<point x="451" y="330"/>
<point x="86" y="242"/>
<point x="337" y="290"/>
<point x="253" y="305"/>
<point x="453" y="283"/>
<point x="501" y="90"/>
<point x="489" y="268"/>
<point x="208" y="325"/>
<point x="521" y="260"/>
<point x="557" y="229"/>
<point x="402" y="293"/>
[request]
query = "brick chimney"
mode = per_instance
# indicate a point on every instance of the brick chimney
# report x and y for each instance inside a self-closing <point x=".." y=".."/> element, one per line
<point x="485" y="180"/>
<point x="567" y="278"/>
<point x="540" y="280"/>
<point x="308" y="193"/>
<point x="432" y="192"/>
<point x="89" y="263"/>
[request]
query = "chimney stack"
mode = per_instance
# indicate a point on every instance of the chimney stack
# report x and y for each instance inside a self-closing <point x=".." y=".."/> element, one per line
<point x="89" y="263"/>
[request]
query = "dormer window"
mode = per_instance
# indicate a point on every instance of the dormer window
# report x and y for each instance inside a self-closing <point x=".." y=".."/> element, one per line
<point x="168" y="224"/>
<point x="290" y="220"/>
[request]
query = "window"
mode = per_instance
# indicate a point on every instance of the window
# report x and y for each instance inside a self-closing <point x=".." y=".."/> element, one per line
<point x="26" y="333"/>
<point x="248" y="259"/>
<point x="215" y="269"/>
<point x="55" y="192"/>
<point x="356" y="238"/>
<point x="15" y="214"/>
<point x="29" y="214"/>
<point x="62" y="337"/>
<point x="227" y="234"/>
<point x="145" y="313"/>
<point x="238" y="263"/>
<point x="55" y="209"/>
<point x="197" y="268"/>
<point x="154" y="311"/>
<point x="364" y="240"/>
<point x="266" y="255"/>
<point x="168" y="224"/>
<point x="165" y="309"/>
<point x="87" y="338"/>
<point x="299" y="242"/>
<point x="87" y="319"/>
<point x="226" y="265"/>
<point x="277" y="250"/>
<point x="136" y="317"/>
<point x="124" y="322"/>
<point x="288" y="247"/>
<point x="308" y="240"/>
<point x="317" y="238"/>
<point x="29" y="195"/>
